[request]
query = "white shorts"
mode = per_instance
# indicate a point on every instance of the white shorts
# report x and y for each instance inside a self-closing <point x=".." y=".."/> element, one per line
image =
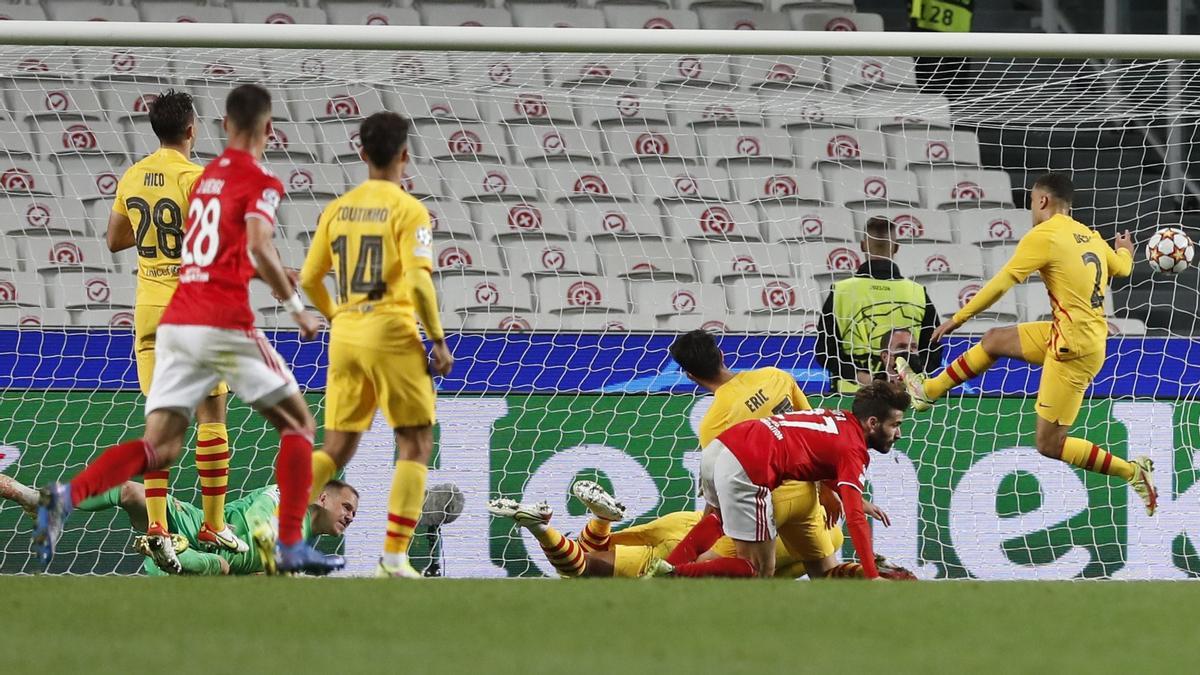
<point x="747" y="512"/>
<point x="191" y="360"/>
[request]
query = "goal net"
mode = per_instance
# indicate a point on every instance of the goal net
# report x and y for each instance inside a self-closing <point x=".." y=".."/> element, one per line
<point x="586" y="209"/>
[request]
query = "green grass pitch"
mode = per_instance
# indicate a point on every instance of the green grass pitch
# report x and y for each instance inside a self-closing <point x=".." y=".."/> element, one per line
<point x="261" y="625"/>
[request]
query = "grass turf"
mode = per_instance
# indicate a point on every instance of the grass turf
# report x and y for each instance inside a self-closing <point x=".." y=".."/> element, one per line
<point x="122" y="625"/>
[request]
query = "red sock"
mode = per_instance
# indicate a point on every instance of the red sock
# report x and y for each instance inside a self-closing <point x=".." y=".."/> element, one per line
<point x="698" y="540"/>
<point x="293" y="472"/>
<point x="719" y="567"/>
<point x="113" y="467"/>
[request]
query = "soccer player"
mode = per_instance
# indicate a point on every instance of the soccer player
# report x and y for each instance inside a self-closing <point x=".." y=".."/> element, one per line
<point x="148" y="213"/>
<point x="378" y="240"/>
<point x="741" y="467"/>
<point x="207" y="335"/>
<point x="1076" y="265"/>
<point x="332" y="512"/>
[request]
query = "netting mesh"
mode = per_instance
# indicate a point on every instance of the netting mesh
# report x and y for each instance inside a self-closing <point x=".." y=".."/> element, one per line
<point x="586" y="208"/>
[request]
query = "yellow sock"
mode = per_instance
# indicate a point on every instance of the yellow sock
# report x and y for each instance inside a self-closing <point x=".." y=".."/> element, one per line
<point x="969" y="365"/>
<point x="849" y="570"/>
<point x="323" y="469"/>
<point x="1090" y="457"/>
<point x="156" y="497"/>
<point x="212" y="463"/>
<point x="567" y="557"/>
<point x="595" y="534"/>
<point x="404" y="504"/>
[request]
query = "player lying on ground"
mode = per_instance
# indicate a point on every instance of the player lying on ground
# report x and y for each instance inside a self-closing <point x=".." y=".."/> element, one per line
<point x="1077" y="266"/>
<point x="147" y="213"/>
<point x="382" y="242"/>
<point x="631" y="552"/>
<point x="207" y="335"/>
<point x="331" y="514"/>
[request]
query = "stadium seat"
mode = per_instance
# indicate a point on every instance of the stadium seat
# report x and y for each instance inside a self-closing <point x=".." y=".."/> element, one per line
<point x="453" y="14"/>
<point x="1130" y="327"/>
<point x="859" y="188"/>
<point x="562" y="294"/>
<point x="714" y="108"/>
<point x="937" y="147"/>
<point x="666" y="298"/>
<point x="130" y="98"/>
<point x="371" y="14"/>
<point x="847" y="147"/>
<point x="778" y="5"/>
<point x="15" y="140"/>
<point x="215" y="70"/>
<point x="465" y="257"/>
<point x="762" y="182"/>
<point x="33" y="318"/>
<point x="644" y="258"/>
<point x="788" y="222"/>
<point x="940" y="261"/>
<point x="718" y="262"/>
<point x="138" y="136"/>
<point x="90" y="177"/>
<point x="22" y="11"/>
<point x="801" y="108"/>
<point x="19" y="175"/>
<point x="727" y="221"/>
<point x="775" y="296"/>
<point x="424" y="181"/>
<point x="309" y="179"/>
<point x="899" y="110"/>
<point x="421" y="104"/>
<point x="43" y="63"/>
<point x="991" y="226"/>
<point x="996" y="255"/>
<point x="499" y="221"/>
<point x="77" y="137"/>
<point x="291" y="251"/>
<point x="602" y="106"/>
<point x="615" y="219"/>
<point x="449" y="218"/>
<point x="497" y="69"/>
<point x="181" y="11"/>
<point x="37" y="98"/>
<point x="552" y="16"/>
<point x="741" y="17"/>
<point x="965" y="188"/>
<point x="508" y="322"/>
<point x="606" y="322"/>
<point x="821" y="19"/>
<point x="21" y="289"/>
<point x="566" y="70"/>
<point x="545" y="143"/>
<point x="786" y="323"/>
<point x="871" y="72"/>
<point x="289" y="140"/>
<point x="653" y="143"/>
<point x="739" y="146"/>
<point x="912" y="225"/>
<point x="90" y="290"/>
<point x="481" y="181"/>
<point x="782" y="71"/>
<point x="1034" y="302"/>
<point x="826" y="262"/>
<point x="693" y="70"/>
<point x="584" y="183"/>
<point x="275" y="12"/>
<point x="487" y="293"/>
<point x="339" y="102"/>
<point x="454" y="140"/>
<point x="117" y="319"/>
<point x="528" y="106"/>
<point x="640" y="16"/>
<point x="674" y="182"/>
<point x="407" y="67"/>
<point x="11" y="256"/>
<point x="338" y="140"/>
<point x="110" y="65"/>
<point x="537" y="258"/>
<point x="719" y="322"/>
<point x="297" y="218"/>
<point x="37" y="215"/>
<point x="950" y="296"/>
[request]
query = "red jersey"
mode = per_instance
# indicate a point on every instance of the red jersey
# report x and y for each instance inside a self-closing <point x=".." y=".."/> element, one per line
<point x="214" y="277"/>
<point x="810" y="445"/>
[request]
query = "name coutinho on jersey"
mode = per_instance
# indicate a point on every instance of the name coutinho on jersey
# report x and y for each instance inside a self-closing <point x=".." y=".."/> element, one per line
<point x="358" y="214"/>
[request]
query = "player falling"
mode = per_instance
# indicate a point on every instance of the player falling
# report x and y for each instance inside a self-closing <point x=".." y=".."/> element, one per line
<point x="207" y="335"/>
<point x="148" y="214"/>
<point x="378" y="240"/>
<point x="1076" y="265"/>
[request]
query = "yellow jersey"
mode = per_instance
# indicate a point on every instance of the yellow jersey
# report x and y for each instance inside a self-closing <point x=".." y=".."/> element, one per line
<point x="370" y="236"/>
<point x="153" y="194"/>
<point x="1076" y="264"/>
<point x="750" y="395"/>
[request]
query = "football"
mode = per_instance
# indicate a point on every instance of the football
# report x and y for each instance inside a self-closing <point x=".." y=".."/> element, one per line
<point x="1170" y="251"/>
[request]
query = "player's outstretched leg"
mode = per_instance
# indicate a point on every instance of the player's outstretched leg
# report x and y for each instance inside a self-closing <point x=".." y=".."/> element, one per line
<point x="163" y="550"/>
<point x="54" y="505"/>
<point x="925" y="391"/>
<point x="15" y="491"/>
<point x="605" y="508"/>
<point x="1139" y="472"/>
<point x="212" y="463"/>
<point x="567" y="557"/>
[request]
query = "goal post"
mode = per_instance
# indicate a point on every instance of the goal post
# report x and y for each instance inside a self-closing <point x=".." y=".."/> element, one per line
<point x="594" y="193"/>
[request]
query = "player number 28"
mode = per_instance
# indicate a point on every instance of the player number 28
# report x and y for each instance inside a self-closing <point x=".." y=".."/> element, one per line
<point x="203" y="233"/>
<point x="168" y="227"/>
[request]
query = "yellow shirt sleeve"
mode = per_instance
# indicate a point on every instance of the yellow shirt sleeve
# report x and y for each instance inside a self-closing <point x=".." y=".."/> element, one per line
<point x="713" y="423"/>
<point x="1032" y="254"/>
<point x="119" y="197"/>
<point x="416" y="257"/>
<point x="799" y="400"/>
<point x="316" y="265"/>
<point x="1120" y="262"/>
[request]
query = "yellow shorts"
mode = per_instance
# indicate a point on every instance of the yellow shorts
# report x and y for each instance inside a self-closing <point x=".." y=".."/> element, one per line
<point x="145" y="332"/>
<point x="362" y="379"/>
<point x="1060" y="391"/>
<point x="634" y="547"/>
<point x="800" y="522"/>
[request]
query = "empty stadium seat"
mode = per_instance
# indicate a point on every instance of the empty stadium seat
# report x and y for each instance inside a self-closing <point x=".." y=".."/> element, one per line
<point x="465" y="256"/>
<point x="90" y="177"/>
<point x="421" y="182"/>
<point x="15" y="140"/>
<point x="654" y="144"/>
<point x="803" y="108"/>
<point x="787" y="323"/>
<point x="781" y="71"/>
<point x="772" y="183"/>
<point x="552" y="143"/>
<point x="668" y="298"/>
<point x="740" y="145"/>
<point x="741" y="17"/>
<point x="717" y="262"/>
<point x="950" y="296"/>
<point x="298" y="218"/>
<point x="673" y="182"/>
<point x="131" y="98"/>
<point x="849" y="147"/>
<point x="275" y="12"/>
<point x="310" y="180"/>
<point x="449" y="218"/>
<point x="19" y="175"/>
<point x="913" y="225"/>
<point x="733" y="110"/>
<point x="561" y="294"/>
<point x="714" y="323"/>
<point x="42" y="63"/>
<point x="181" y="11"/>
<point x="50" y="252"/>
<point x="709" y="220"/>
<point x="480" y="181"/>
<point x="996" y="255"/>
<point x="457" y="141"/>
<point x="497" y="221"/>
<point x="37" y="98"/>
<point x="451" y="14"/>
<point x="533" y="258"/>
<point x="601" y="106"/>
<point x="871" y="72"/>
<point x="33" y="318"/>
<point x="788" y="222"/>
<point x="772" y="295"/>
<point x="551" y="16"/>
<point x="615" y="219"/>
<point x="338" y="102"/>
<point x="566" y="70"/>
<point x="937" y="147"/>
<point x="821" y="19"/>
<point x="291" y="251"/>
<point x="1034" y="302"/>
<point x="90" y="290"/>
<point x="584" y="183"/>
<point x="940" y="261"/>
<point x="695" y="70"/>
<point x="371" y="14"/>
<point x="420" y="104"/>
<point x="145" y="63"/>
<point x="644" y="258"/>
<point x="117" y="319"/>
<point x="883" y="188"/>
<point x="991" y="226"/>
<point x="11" y="256"/>
<point x="21" y="289"/>
<point x="496" y="69"/>
<point x="965" y="188"/>
<point x="22" y="11"/>
<point x="508" y="322"/>
<point x="826" y="262"/>
<point x="529" y="106"/>
<point x="38" y="215"/>
<point x="638" y="16"/>
<point x="408" y="67"/>
<point x="338" y="140"/>
<point x="289" y="140"/>
<point x="606" y="322"/>
<point x="898" y="110"/>
<point x="71" y="137"/>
